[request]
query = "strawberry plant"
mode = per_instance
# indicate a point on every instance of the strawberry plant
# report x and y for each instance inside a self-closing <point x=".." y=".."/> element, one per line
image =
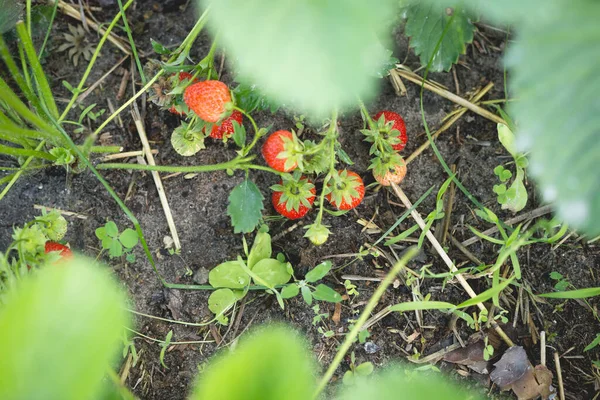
<point x="233" y="279"/>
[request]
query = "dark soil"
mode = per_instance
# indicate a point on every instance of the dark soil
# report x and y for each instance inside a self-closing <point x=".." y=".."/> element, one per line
<point x="199" y="210"/>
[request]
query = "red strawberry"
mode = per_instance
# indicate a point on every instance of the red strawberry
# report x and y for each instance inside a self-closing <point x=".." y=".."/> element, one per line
<point x="181" y="77"/>
<point x="65" y="252"/>
<point x="395" y="175"/>
<point x="226" y="127"/>
<point x="345" y="190"/>
<point x="293" y="197"/>
<point x="397" y="125"/>
<point x="207" y="99"/>
<point x="279" y="151"/>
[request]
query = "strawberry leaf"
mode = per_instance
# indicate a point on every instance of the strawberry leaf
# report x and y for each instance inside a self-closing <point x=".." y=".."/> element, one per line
<point x="245" y="207"/>
<point x="425" y="24"/>
<point x="274" y="55"/>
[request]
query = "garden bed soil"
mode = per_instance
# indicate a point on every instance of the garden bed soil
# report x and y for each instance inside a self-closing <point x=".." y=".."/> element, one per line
<point x="199" y="207"/>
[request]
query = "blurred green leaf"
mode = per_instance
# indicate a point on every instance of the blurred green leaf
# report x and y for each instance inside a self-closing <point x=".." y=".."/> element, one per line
<point x="245" y="207"/>
<point x="11" y="13"/>
<point x="229" y="274"/>
<point x="313" y="56"/>
<point x="270" y="364"/>
<point x="403" y="383"/>
<point x="425" y="24"/>
<point x="69" y="321"/>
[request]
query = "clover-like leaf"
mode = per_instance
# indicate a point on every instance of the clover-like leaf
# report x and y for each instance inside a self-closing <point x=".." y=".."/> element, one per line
<point x="111" y="229"/>
<point x="245" y="207"/>
<point x="272" y="271"/>
<point x="425" y="24"/>
<point x="229" y="274"/>
<point x="129" y="238"/>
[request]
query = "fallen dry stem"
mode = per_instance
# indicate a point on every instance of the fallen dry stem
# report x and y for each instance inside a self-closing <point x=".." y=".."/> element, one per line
<point x="438" y="247"/>
<point x="459" y="113"/>
<point x="411" y="76"/>
<point x="561" y="386"/>
<point x="72" y="12"/>
<point x="159" y="186"/>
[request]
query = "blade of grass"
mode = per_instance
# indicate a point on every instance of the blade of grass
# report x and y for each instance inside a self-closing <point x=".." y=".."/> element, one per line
<point x="422" y="305"/>
<point x="52" y="17"/>
<point x="16" y="152"/>
<point x="485" y="296"/>
<point x="371" y="304"/>
<point x="17" y="175"/>
<point x="573" y="294"/>
<point x="92" y="61"/>
<point x="38" y="73"/>
<point x="132" y="43"/>
<point x="16" y="74"/>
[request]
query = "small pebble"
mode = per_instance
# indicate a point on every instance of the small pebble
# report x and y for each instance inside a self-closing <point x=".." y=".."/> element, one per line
<point x="371" y="348"/>
<point x="201" y="276"/>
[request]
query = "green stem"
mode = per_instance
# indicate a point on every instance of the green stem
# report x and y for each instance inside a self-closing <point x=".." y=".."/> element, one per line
<point x="162" y="341"/>
<point x="18" y="174"/>
<point x="373" y="301"/>
<point x="210" y="58"/>
<point x="38" y="71"/>
<point x="128" y="102"/>
<point x="105" y="149"/>
<point x="92" y="61"/>
<point x="186" y="45"/>
<point x="49" y="29"/>
<point x="236" y="163"/>
<point x="332" y="138"/>
<point x="132" y="43"/>
<point x="246" y="150"/>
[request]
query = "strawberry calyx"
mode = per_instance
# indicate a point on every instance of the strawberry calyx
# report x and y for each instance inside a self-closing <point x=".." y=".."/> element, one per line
<point x="292" y="152"/>
<point x="317" y="233"/>
<point x="296" y="191"/>
<point x="383" y="165"/>
<point x="393" y="129"/>
<point x="345" y="189"/>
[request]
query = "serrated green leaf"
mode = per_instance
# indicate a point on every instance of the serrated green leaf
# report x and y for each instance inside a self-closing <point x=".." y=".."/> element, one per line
<point x="239" y="134"/>
<point x="318" y="272"/>
<point x="261" y="249"/>
<point x="325" y="293"/>
<point x="275" y="56"/>
<point x="74" y="314"/>
<point x="425" y="24"/>
<point x="272" y="272"/>
<point x="129" y="238"/>
<point x="290" y="291"/>
<point x="229" y="274"/>
<point x="221" y="300"/>
<point x="270" y="364"/>
<point x="245" y="207"/>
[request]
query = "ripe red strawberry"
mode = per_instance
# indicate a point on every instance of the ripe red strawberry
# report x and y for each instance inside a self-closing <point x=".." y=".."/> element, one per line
<point x="65" y="252"/>
<point x="181" y="77"/>
<point x="345" y="190"/>
<point x="293" y="197"/>
<point x="279" y="151"/>
<point x="207" y="99"/>
<point x="398" y="125"/>
<point x="226" y="127"/>
<point x="394" y="175"/>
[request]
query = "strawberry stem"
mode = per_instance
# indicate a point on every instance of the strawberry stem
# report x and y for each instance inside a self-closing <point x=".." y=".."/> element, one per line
<point x="331" y="137"/>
